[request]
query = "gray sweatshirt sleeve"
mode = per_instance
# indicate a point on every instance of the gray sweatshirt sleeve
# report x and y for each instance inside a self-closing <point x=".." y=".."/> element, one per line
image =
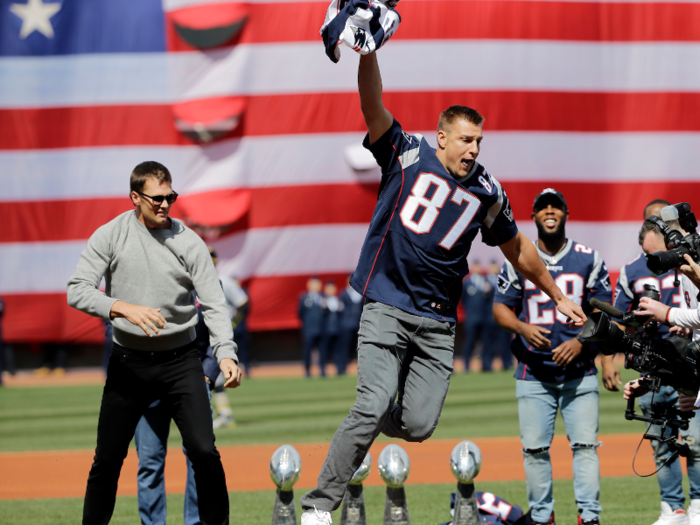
<point x="83" y="286"/>
<point x="211" y="296"/>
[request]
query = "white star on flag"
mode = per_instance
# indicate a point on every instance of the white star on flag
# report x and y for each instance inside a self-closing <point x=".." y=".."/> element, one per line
<point x="35" y="15"/>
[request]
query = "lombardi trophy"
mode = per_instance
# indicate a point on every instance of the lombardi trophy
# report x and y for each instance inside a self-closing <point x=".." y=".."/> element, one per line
<point x="285" y="469"/>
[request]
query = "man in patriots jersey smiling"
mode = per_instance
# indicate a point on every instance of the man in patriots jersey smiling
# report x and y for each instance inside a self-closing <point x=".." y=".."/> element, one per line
<point x="555" y="370"/>
<point x="430" y="207"/>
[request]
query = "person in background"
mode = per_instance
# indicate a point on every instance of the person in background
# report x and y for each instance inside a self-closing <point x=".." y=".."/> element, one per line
<point x="349" y="321"/>
<point x="332" y="312"/>
<point x="499" y="339"/>
<point x="475" y="300"/>
<point x="2" y="348"/>
<point x="311" y="317"/>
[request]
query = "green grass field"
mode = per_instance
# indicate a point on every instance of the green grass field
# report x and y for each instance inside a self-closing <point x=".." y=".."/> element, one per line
<point x="299" y="410"/>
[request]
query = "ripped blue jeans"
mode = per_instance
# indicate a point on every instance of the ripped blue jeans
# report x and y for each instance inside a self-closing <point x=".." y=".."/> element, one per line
<point x="538" y="403"/>
<point x="670" y="477"/>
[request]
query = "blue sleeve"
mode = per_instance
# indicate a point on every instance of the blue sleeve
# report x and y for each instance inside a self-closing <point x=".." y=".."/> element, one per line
<point x="509" y="290"/>
<point x="499" y="225"/>
<point x="624" y="297"/>
<point x="389" y="149"/>
<point x="602" y="290"/>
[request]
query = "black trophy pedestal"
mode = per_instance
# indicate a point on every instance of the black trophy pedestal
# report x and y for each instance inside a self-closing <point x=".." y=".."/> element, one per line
<point x="396" y="508"/>
<point x="284" y="512"/>
<point x="353" y="512"/>
<point x="466" y="508"/>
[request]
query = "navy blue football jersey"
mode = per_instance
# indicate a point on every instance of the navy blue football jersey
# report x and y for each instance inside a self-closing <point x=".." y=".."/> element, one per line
<point x="581" y="275"/>
<point x="630" y="286"/>
<point x="415" y="254"/>
<point x="493" y="510"/>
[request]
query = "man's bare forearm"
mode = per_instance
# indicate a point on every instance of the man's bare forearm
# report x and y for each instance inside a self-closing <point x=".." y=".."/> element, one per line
<point x="506" y="318"/>
<point x="523" y="255"/>
<point x="369" y="83"/>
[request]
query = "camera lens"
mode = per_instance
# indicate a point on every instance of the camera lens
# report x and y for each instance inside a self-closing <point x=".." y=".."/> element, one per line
<point x="661" y="262"/>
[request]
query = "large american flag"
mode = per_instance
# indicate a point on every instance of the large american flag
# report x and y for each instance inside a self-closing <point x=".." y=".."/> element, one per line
<point x="600" y="100"/>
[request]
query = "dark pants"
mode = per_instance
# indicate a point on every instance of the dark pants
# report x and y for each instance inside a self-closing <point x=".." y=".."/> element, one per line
<point x="312" y="341"/>
<point x="135" y="379"/>
<point x="347" y="343"/>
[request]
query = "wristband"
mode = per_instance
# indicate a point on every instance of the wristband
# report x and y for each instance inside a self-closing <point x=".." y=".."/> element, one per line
<point x="668" y="314"/>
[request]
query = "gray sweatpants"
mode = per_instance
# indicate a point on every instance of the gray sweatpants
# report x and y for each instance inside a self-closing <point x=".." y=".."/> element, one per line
<point x="398" y="353"/>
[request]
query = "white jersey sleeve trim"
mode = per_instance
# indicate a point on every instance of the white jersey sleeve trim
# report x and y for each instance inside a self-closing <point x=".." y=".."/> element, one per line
<point x="595" y="272"/>
<point x="495" y="208"/>
<point x="623" y="282"/>
<point x="513" y="276"/>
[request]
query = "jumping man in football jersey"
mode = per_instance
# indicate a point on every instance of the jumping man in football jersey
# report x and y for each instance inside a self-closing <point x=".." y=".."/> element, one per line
<point x="431" y="205"/>
<point x="555" y="370"/>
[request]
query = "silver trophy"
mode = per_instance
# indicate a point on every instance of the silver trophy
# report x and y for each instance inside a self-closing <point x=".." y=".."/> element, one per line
<point x="394" y="468"/>
<point x="465" y="463"/>
<point x="285" y="469"/>
<point x="353" y="512"/>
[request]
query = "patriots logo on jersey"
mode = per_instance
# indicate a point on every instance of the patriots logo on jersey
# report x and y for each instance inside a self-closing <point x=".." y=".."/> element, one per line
<point x="360" y="37"/>
<point x="407" y="137"/>
<point x="503" y="283"/>
<point x="605" y="281"/>
<point x="508" y="212"/>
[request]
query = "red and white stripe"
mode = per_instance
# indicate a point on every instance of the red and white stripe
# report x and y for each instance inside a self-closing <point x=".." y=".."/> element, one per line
<point x="600" y="100"/>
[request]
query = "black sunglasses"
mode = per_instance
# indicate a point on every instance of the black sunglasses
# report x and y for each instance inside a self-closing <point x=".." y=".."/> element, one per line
<point x="158" y="199"/>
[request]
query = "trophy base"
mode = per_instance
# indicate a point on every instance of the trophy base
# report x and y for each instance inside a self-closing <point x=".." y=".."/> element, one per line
<point x="353" y="512"/>
<point x="284" y="512"/>
<point x="396" y="508"/>
<point x="466" y="507"/>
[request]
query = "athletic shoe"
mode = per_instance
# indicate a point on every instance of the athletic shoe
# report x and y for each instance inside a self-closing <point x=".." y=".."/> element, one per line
<point x="694" y="512"/>
<point x="593" y="521"/>
<point x="671" y="517"/>
<point x="316" y="517"/>
<point x="224" y="422"/>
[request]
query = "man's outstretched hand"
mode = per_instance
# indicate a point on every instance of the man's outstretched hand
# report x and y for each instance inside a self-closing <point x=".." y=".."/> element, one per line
<point x="573" y="312"/>
<point x="231" y="372"/>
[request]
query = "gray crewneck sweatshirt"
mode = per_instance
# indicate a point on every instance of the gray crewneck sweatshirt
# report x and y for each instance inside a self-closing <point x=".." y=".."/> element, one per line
<point x="164" y="269"/>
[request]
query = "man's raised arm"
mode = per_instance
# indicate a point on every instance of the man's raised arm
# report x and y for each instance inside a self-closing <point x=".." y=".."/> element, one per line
<point x="523" y="255"/>
<point x="369" y="82"/>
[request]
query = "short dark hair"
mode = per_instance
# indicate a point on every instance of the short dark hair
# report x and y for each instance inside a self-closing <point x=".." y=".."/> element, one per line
<point x="149" y="170"/>
<point x="453" y="113"/>
<point x="647" y="227"/>
<point x="656" y="201"/>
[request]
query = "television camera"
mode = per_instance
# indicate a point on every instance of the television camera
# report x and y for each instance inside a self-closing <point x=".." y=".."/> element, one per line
<point x="662" y="262"/>
<point x="671" y="361"/>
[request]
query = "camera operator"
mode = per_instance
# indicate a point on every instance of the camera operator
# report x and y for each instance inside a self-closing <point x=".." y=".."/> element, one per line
<point x="628" y="293"/>
<point x="682" y="320"/>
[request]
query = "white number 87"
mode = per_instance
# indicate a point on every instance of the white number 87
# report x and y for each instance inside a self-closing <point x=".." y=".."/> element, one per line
<point x="433" y="204"/>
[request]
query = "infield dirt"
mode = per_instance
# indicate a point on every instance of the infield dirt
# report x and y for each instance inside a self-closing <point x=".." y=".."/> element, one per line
<point x="60" y="474"/>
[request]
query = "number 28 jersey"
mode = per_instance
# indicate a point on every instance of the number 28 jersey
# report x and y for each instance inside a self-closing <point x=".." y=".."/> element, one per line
<point x="414" y="256"/>
<point x="581" y="275"/>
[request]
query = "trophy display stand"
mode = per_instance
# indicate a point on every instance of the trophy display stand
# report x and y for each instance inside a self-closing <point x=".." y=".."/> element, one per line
<point x="284" y="512"/>
<point x="396" y="507"/>
<point x="466" y="508"/>
<point x="353" y="512"/>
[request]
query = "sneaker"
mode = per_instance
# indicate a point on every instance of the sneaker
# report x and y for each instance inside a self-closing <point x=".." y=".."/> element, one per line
<point x="694" y="512"/>
<point x="224" y="422"/>
<point x="316" y="517"/>
<point x="593" y="521"/>
<point x="671" y="517"/>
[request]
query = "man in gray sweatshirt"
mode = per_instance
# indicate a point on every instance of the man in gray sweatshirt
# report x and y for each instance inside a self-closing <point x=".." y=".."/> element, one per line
<point x="153" y="266"/>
